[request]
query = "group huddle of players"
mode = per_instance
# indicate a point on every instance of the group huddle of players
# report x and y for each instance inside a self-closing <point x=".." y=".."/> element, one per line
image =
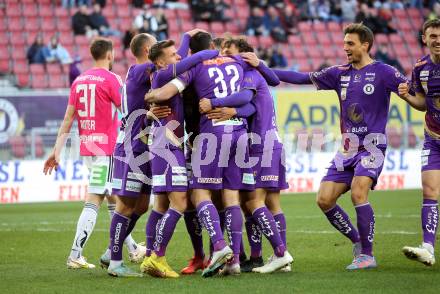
<point x="199" y="132"/>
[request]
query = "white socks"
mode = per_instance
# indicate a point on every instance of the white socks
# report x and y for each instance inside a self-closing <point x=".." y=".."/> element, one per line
<point x="84" y="229"/>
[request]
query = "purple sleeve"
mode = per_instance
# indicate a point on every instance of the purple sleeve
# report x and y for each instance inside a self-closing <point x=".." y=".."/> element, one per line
<point x="326" y="79"/>
<point x="184" y="65"/>
<point x="293" y="77"/>
<point x="236" y="99"/>
<point x="245" y="111"/>
<point x="270" y="77"/>
<point x="393" y="78"/>
<point x="416" y="85"/>
<point x="184" y="46"/>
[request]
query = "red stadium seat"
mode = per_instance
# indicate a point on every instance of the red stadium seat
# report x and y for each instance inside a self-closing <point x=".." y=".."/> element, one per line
<point x="5" y="66"/>
<point x="64" y="26"/>
<point x="108" y="11"/>
<point x="15" y="24"/>
<point x="253" y="41"/>
<point x="37" y="69"/>
<point x="4" y="54"/>
<point x="21" y="67"/>
<point x="184" y="15"/>
<point x="53" y="69"/>
<point x="295" y="41"/>
<point x="414" y="13"/>
<point x="328" y="51"/>
<point x="202" y="25"/>
<point x="57" y="81"/>
<point x="299" y="52"/>
<point x="417" y="24"/>
<point x="170" y="14"/>
<point x="309" y="39"/>
<point x="82" y="41"/>
<point x="18" y="146"/>
<point x="303" y="64"/>
<point x="22" y="80"/>
<point x="400" y="13"/>
<point x="187" y="26"/>
<point x="400" y="50"/>
<point x="13" y="10"/>
<point x="30" y="10"/>
<point x="407" y="64"/>
<point x="61" y="12"/>
<point x="265" y="41"/>
<point x="405" y="26"/>
<point x="39" y="81"/>
<point x="45" y="11"/>
<point x="17" y="39"/>
<point x="305" y="27"/>
<point x="32" y="24"/>
<point x="18" y="54"/>
<point x="317" y="62"/>
<point x="319" y="27"/>
<point x="334" y="27"/>
<point x="48" y="25"/>
<point x="123" y="11"/>
<point x="381" y="39"/>
<point x="4" y="39"/>
<point x="125" y="23"/>
<point x="122" y="2"/>
<point x="217" y="28"/>
<point x="66" y="38"/>
<point x="415" y="51"/>
<point x="233" y="28"/>
<point x="323" y="38"/>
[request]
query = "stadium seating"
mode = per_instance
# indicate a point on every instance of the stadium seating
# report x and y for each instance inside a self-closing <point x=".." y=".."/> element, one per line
<point x="23" y="20"/>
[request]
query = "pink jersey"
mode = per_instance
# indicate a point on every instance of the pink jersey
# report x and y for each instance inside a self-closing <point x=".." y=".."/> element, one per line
<point x="96" y="94"/>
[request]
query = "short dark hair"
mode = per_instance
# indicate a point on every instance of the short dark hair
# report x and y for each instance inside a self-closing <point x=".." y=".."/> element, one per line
<point x="100" y="47"/>
<point x="156" y="50"/>
<point x="200" y="41"/>
<point x="137" y="44"/>
<point x="240" y="42"/>
<point x="364" y="33"/>
<point x="218" y="42"/>
<point x="433" y="23"/>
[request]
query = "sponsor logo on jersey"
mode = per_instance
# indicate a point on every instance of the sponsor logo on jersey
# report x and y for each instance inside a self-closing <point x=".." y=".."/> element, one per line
<point x="424" y="73"/>
<point x="159" y="180"/>
<point x="345" y="78"/>
<point x="248" y="179"/>
<point x="178" y="170"/>
<point x="209" y="180"/>
<point x="133" y="186"/>
<point x="116" y="183"/>
<point x="179" y="180"/>
<point x="269" y="178"/>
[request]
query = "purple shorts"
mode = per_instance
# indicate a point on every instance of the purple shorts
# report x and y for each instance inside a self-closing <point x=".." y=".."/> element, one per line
<point x="130" y="179"/>
<point x="363" y="163"/>
<point x="270" y="172"/>
<point x="169" y="171"/>
<point x="431" y="154"/>
<point x="221" y="161"/>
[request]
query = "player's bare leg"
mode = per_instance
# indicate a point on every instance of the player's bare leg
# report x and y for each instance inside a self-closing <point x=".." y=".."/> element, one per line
<point x="360" y="187"/>
<point x="431" y="191"/>
<point x="266" y="222"/>
<point x="125" y="207"/>
<point x="84" y="229"/>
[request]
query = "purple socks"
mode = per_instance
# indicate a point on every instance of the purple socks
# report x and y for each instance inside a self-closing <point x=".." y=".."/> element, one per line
<point x="194" y="228"/>
<point x="429" y="220"/>
<point x="150" y="229"/>
<point x="365" y="223"/>
<point x="253" y="232"/>
<point x="118" y="231"/>
<point x="340" y="220"/>
<point x="164" y="230"/>
<point x="209" y="217"/>
<point x="280" y="220"/>
<point x="269" y="229"/>
<point x="233" y="226"/>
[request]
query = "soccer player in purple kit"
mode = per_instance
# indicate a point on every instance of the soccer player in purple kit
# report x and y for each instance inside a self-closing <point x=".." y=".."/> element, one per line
<point x="269" y="171"/>
<point x="364" y="87"/>
<point x="165" y="143"/>
<point x="130" y="175"/>
<point x="217" y="78"/>
<point x="426" y="85"/>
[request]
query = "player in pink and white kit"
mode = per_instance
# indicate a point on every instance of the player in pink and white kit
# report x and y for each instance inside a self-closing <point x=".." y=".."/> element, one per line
<point x="94" y="99"/>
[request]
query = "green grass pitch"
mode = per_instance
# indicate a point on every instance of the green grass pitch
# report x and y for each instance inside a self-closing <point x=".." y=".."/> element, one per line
<point x="36" y="238"/>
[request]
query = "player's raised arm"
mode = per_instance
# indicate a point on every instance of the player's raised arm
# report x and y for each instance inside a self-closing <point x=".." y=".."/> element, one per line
<point x="236" y="99"/>
<point x="270" y="77"/>
<point x="293" y="77"/>
<point x="226" y="113"/>
<point x="166" y="92"/>
<point x="184" y="44"/>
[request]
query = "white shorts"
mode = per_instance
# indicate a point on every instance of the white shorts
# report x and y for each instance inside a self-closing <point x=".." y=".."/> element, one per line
<point x="100" y="174"/>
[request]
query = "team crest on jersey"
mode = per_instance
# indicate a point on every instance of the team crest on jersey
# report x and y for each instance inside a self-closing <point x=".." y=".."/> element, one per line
<point x="357" y="78"/>
<point x="436" y="102"/>
<point x="369" y="89"/>
<point x="435" y="74"/>
<point x="355" y="113"/>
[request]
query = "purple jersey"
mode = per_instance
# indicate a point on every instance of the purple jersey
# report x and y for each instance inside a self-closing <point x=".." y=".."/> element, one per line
<point x="364" y="95"/>
<point x="426" y="80"/>
<point x="162" y="137"/>
<point x="137" y="84"/>
<point x="216" y="78"/>
<point x="263" y="122"/>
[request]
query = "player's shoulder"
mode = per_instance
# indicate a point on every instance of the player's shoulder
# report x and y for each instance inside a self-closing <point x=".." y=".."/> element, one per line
<point x="422" y="62"/>
<point x="382" y="67"/>
<point x="113" y="77"/>
<point x="333" y="70"/>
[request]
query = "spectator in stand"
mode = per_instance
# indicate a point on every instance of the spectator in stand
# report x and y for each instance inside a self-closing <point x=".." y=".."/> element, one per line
<point x="202" y="10"/>
<point x="218" y="13"/>
<point x="324" y="65"/>
<point x="366" y="16"/>
<point x="290" y="20"/>
<point x="71" y="3"/>
<point x="265" y="54"/>
<point x="255" y="24"/>
<point x="129" y="34"/>
<point x="384" y="18"/>
<point x="258" y="3"/>
<point x="99" y="23"/>
<point x="277" y="59"/>
<point x="435" y="13"/>
<point x="272" y="23"/>
<point x="146" y="15"/>
<point x="382" y="55"/>
<point x="349" y="10"/>
<point x="81" y="24"/>
<point x="35" y="52"/>
<point x="54" y="52"/>
<point x="101" y="3"/>
<point x="277" y="3"/>
<point x="162" y="25"/>
<point x="146" y="29"/>
<point x="319" y="9"/>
